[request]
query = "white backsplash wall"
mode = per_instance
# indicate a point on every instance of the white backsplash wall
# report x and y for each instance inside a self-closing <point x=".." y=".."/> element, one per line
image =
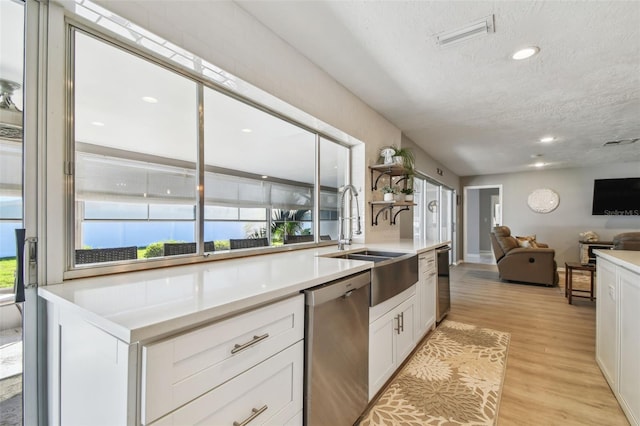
<point x="561" y="227"/>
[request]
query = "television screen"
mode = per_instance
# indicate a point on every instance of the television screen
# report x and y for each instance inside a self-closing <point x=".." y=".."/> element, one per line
<point x="616" y="197"/>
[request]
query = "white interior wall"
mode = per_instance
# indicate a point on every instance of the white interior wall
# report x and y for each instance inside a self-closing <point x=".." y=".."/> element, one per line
<point x="561" y="227"/>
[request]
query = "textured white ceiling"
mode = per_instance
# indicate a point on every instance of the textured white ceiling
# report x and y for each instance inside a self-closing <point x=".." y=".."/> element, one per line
<point x="469" y="105"/>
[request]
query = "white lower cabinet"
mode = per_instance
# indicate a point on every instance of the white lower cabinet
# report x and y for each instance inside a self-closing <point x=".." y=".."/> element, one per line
<point x="618" y="335"/>
<point x="268" y="394"/>
<point x="247" y="366"/>
<point x="392" y="337"/>
<point x="178" y="370"/>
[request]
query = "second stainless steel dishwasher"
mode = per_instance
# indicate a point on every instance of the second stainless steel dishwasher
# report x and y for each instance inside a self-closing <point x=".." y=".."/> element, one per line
<point x="337" y="351"/>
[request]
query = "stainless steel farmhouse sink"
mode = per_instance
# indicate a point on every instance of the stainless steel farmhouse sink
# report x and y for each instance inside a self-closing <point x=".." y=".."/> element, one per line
<point x="392" y="273"/>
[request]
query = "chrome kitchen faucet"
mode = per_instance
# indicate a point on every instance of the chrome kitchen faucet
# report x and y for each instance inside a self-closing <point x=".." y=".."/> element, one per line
<point x="341" y="239"/>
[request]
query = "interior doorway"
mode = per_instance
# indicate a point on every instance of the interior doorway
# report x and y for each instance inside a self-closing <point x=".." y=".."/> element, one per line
<point x="482" y="211"/>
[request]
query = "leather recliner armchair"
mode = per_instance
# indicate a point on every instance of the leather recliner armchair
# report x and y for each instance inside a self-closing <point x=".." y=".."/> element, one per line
<point x="529" y="265"/>
<point x="627" y="241"/>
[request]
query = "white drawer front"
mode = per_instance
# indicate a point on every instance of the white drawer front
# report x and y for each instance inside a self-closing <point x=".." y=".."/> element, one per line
<point x="428" y="262"/>
<point x="182" y="368"/>
<point x="275" y="384"/>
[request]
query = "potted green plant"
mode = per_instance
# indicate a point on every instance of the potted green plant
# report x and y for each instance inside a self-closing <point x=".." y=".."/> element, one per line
<point x="408" y="193"/>
<point x="404" y="157"/>
<point x="389" y="192"/>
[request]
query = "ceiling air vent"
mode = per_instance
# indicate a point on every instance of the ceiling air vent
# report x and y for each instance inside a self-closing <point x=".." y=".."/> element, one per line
<point x="621" y="142"/>
<point x="475" y="29"/>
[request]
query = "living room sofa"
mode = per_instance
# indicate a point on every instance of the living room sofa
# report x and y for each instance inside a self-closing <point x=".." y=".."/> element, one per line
<point x="533" y="264"/>
<point x="627" y="241"/>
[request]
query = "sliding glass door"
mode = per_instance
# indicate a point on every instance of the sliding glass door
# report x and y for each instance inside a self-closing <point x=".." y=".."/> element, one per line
<point x="11" y="208"/>
<point x="19" y="30"/>
<point x="434" y="215"/>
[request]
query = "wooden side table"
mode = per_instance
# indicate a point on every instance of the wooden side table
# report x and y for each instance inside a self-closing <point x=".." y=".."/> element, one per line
<point x="569" y="267"/>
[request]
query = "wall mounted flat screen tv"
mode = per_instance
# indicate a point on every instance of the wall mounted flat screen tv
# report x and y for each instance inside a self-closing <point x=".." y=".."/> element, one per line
<point x="616" y="197"/>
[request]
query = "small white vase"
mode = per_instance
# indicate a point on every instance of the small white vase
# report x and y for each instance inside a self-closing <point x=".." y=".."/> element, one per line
<point x="408" y="197"/>
<point x="388" y="196"/>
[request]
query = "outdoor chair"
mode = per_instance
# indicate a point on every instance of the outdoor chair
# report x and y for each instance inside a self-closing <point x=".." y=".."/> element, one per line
<point x="106" y="254"/>
<point x="248" y="243"/>
<point x="293" y="239"/>
<point x="174" y="249"/>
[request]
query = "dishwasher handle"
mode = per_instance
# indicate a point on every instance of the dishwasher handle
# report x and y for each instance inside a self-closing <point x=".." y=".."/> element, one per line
<point x="341" y="288"/>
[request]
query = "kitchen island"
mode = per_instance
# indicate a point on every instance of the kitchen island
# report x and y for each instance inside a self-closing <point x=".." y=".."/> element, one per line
<point x="107" y="332"/>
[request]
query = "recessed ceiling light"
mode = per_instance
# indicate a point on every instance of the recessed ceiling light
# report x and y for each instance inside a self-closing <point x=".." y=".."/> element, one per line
<point x="525" y="53"/>
<point x="539" y="164"/>
<point x="246" y="130"/>
<point x="97" y="123"/>
<point x="150" y="99"/>
<point x="547" y="139"/>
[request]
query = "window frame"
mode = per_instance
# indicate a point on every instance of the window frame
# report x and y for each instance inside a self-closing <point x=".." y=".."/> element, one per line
<point x="75" y="23"/>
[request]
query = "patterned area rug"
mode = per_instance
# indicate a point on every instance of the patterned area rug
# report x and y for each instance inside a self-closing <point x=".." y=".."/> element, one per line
<point x="455" y="378"/>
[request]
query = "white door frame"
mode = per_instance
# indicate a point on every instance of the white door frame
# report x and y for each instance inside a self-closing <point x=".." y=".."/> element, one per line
<point x="464" y="210"/>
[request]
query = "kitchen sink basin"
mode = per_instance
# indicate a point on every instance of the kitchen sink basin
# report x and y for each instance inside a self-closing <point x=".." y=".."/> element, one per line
<point x="392" y="273"/>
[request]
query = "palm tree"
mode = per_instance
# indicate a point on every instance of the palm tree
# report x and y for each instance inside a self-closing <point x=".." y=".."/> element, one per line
<point x="287" y="222"/>
<point x="283" y="223"/>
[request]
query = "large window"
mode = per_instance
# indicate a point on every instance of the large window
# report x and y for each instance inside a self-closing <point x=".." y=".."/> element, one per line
<point x="167" y="165"/>
<point x="256" y="160"/>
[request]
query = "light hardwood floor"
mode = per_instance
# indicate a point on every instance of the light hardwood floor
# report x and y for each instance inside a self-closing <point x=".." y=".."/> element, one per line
<point x="552" y="377"/>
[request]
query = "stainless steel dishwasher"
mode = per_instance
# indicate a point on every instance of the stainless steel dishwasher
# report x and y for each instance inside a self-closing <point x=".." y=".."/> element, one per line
<point x="337" y="351"/>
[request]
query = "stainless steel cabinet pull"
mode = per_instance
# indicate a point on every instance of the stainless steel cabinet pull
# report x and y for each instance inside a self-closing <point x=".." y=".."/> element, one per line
<point x="240" y="347"/>
<point x="401" y="321"/>
<point x="397" y="318"/>
<point x="255" y="413"/>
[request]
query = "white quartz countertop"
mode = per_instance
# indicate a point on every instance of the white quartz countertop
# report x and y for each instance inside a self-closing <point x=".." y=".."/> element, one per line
<point x="147" y="305"/>
<point x="628" y="259"/>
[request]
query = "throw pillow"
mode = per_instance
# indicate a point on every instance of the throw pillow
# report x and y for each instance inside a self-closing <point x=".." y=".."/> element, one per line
<point x="528" y="241"/>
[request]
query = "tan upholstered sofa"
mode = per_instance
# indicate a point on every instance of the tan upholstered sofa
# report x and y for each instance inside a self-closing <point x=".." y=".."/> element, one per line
<point x="534" y="265"/>
<point x="627" y="241"/>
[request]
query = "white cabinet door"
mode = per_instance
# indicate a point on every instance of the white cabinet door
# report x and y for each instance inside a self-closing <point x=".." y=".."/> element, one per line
<point x="429" y="313"/>
<point x="629" y="310"/>
<point x="269" y="393"/>
<point x="382" y="354"/>
<point x="425" y="304"/>
<point x="425" y="314"/>
<point x="392" y="337"/>
<point x="606" y="321"/>
<point x="406" y="337"/>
